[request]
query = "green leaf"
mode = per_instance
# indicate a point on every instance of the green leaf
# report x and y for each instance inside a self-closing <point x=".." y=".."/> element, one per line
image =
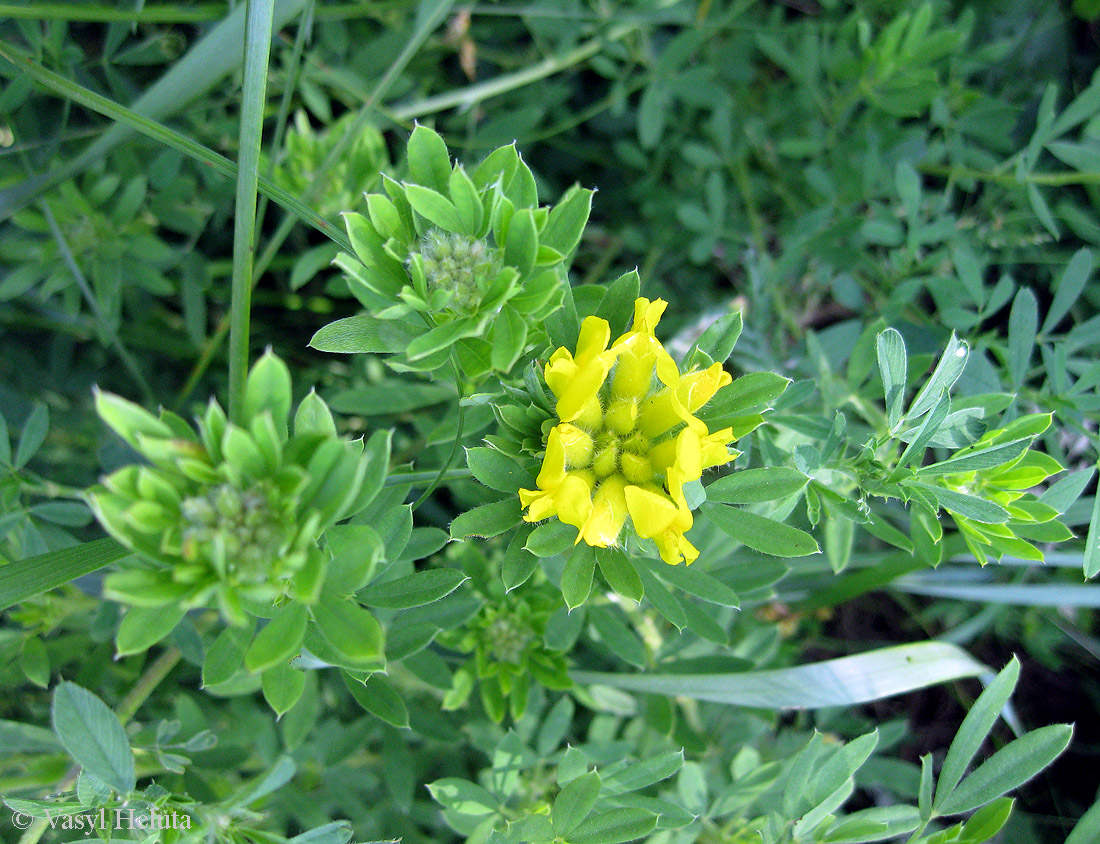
<point x="1069" y="288"/>
<point x="752" y="486"/>
<point x="441" y="337"/>
<point x="487" y="520"/>
<point x="962" y="504"/>
<point x="1008" y="768"/>
<point x="280" y="640"/>
<point x="622" y="642"/>
<point x="463" y="797"/>
<point x="662" y="599"/>
<point x="5" y="442"/>
<point x="275" y="778"/>
<point x="352" y="632"/>
<point x="617" y="305"/>
<point x="434" y="207"/>
<point x="1062" y="493"/>
<point x="1092" y="543"/>
<point x="1087" y="830"/>
<point x="751" y="390"/>
<point x="1042" y="210"/>
<point x="574" y="802"/>
<point x="893" y="364"/>
<point x="282" y="685"/>
<point x="143" y="627"/>
<point x="34" y="661"/>
<point x="518" y="564"/>
<point x="719" y="338"/>
<point x="414" y="590"/>
<point x="620" y="573"/>
<point x="876" y="824"/>
<point x="34" y="434"/>
<point x="128" y="420"/>
<point x="947" y="372"/>
<point x="356" y="552"/>
<point x="509" y="339"/>
<point x="93" y="736"/>
<point x="379" y="696"/>
<point x="26" y="578"/>
<point x="468" y="205"/>
<point x="365" y="334"/>
<point x="567" y="220"/>
<point x="760" y="533"/>
<point x="314" y="417"/>
<point x="987" y="821"/>
<point x="1023" y="322"/>
<point x="576" y="578"/>
<point x="846" y="681"/>
<point x="976" y="461"/>
<point x="521" y="244"/>
<point x="429" y="160"/>
<point x="927" y="432"/>
<point x="268" y="388"/>
<point x="551" y="538"/>
<point x="225" y="656"/>
<point x="700" y="584"/>
<point x="614" y="826"/>
<point x="497" y="470"/>
<point x="645" y="773"/>
<point x="390" y="396"/>
<point x="974" y="730"/>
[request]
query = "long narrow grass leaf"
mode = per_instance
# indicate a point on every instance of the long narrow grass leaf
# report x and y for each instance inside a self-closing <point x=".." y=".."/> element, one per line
<point x="35" y="575"/>
<point x="209" y="61"/>
<point x="846" y="681"/>
<point x="170" y="137"/>
<point x="257" y="54"/>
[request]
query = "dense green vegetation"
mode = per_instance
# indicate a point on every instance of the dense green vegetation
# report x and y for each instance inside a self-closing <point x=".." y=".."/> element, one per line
<point x="574" y="422"/>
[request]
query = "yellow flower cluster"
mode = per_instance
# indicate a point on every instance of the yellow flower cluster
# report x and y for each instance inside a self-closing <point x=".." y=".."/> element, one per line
<point x="627" y="439"/>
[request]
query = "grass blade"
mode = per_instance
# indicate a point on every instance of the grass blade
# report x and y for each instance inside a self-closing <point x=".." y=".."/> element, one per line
<point x="219" y="163"/>
<point x="257" y="55"/>
<point x="209" y="61"/>
<point x="846" y="681"/>
<point x="35" y="575"/>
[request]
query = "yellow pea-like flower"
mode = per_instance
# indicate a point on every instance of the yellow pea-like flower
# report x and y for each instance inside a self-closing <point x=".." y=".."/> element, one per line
<point x="627" y="439"/>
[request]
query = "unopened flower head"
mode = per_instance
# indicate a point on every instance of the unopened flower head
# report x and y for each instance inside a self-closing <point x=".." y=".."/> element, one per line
<point x="459" y="264"/>
<point x="627" y="438"/>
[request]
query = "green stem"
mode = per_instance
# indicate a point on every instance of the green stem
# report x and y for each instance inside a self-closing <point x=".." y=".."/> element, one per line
<point x="446" y="463"/>
<point x="1048" y="179"/>
<point x="162" y="666"/>
<point x="417" y="478"/>
<point x="474" y="94"/>
<point x="258" y="28"/>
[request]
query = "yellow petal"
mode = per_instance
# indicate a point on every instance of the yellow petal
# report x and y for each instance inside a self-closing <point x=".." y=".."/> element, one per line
<point x="689" y="456"/>
<point x="675" y="548"/>
<point x="540" y="505"/>
<point x="609" y="512"/>
<point x="716" y="448"/>
<point x="582" y="389"/>
<point x="650" y="512"/>
<point x="573" y="500"/>
<point x="697" y="388"/>
<point x="592" y="342"/>
<point x="552" y="472"/>
<point x="559" y="371"/>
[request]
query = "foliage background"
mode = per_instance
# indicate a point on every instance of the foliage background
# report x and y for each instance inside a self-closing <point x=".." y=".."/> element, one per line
<point x="828" y="167"/>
